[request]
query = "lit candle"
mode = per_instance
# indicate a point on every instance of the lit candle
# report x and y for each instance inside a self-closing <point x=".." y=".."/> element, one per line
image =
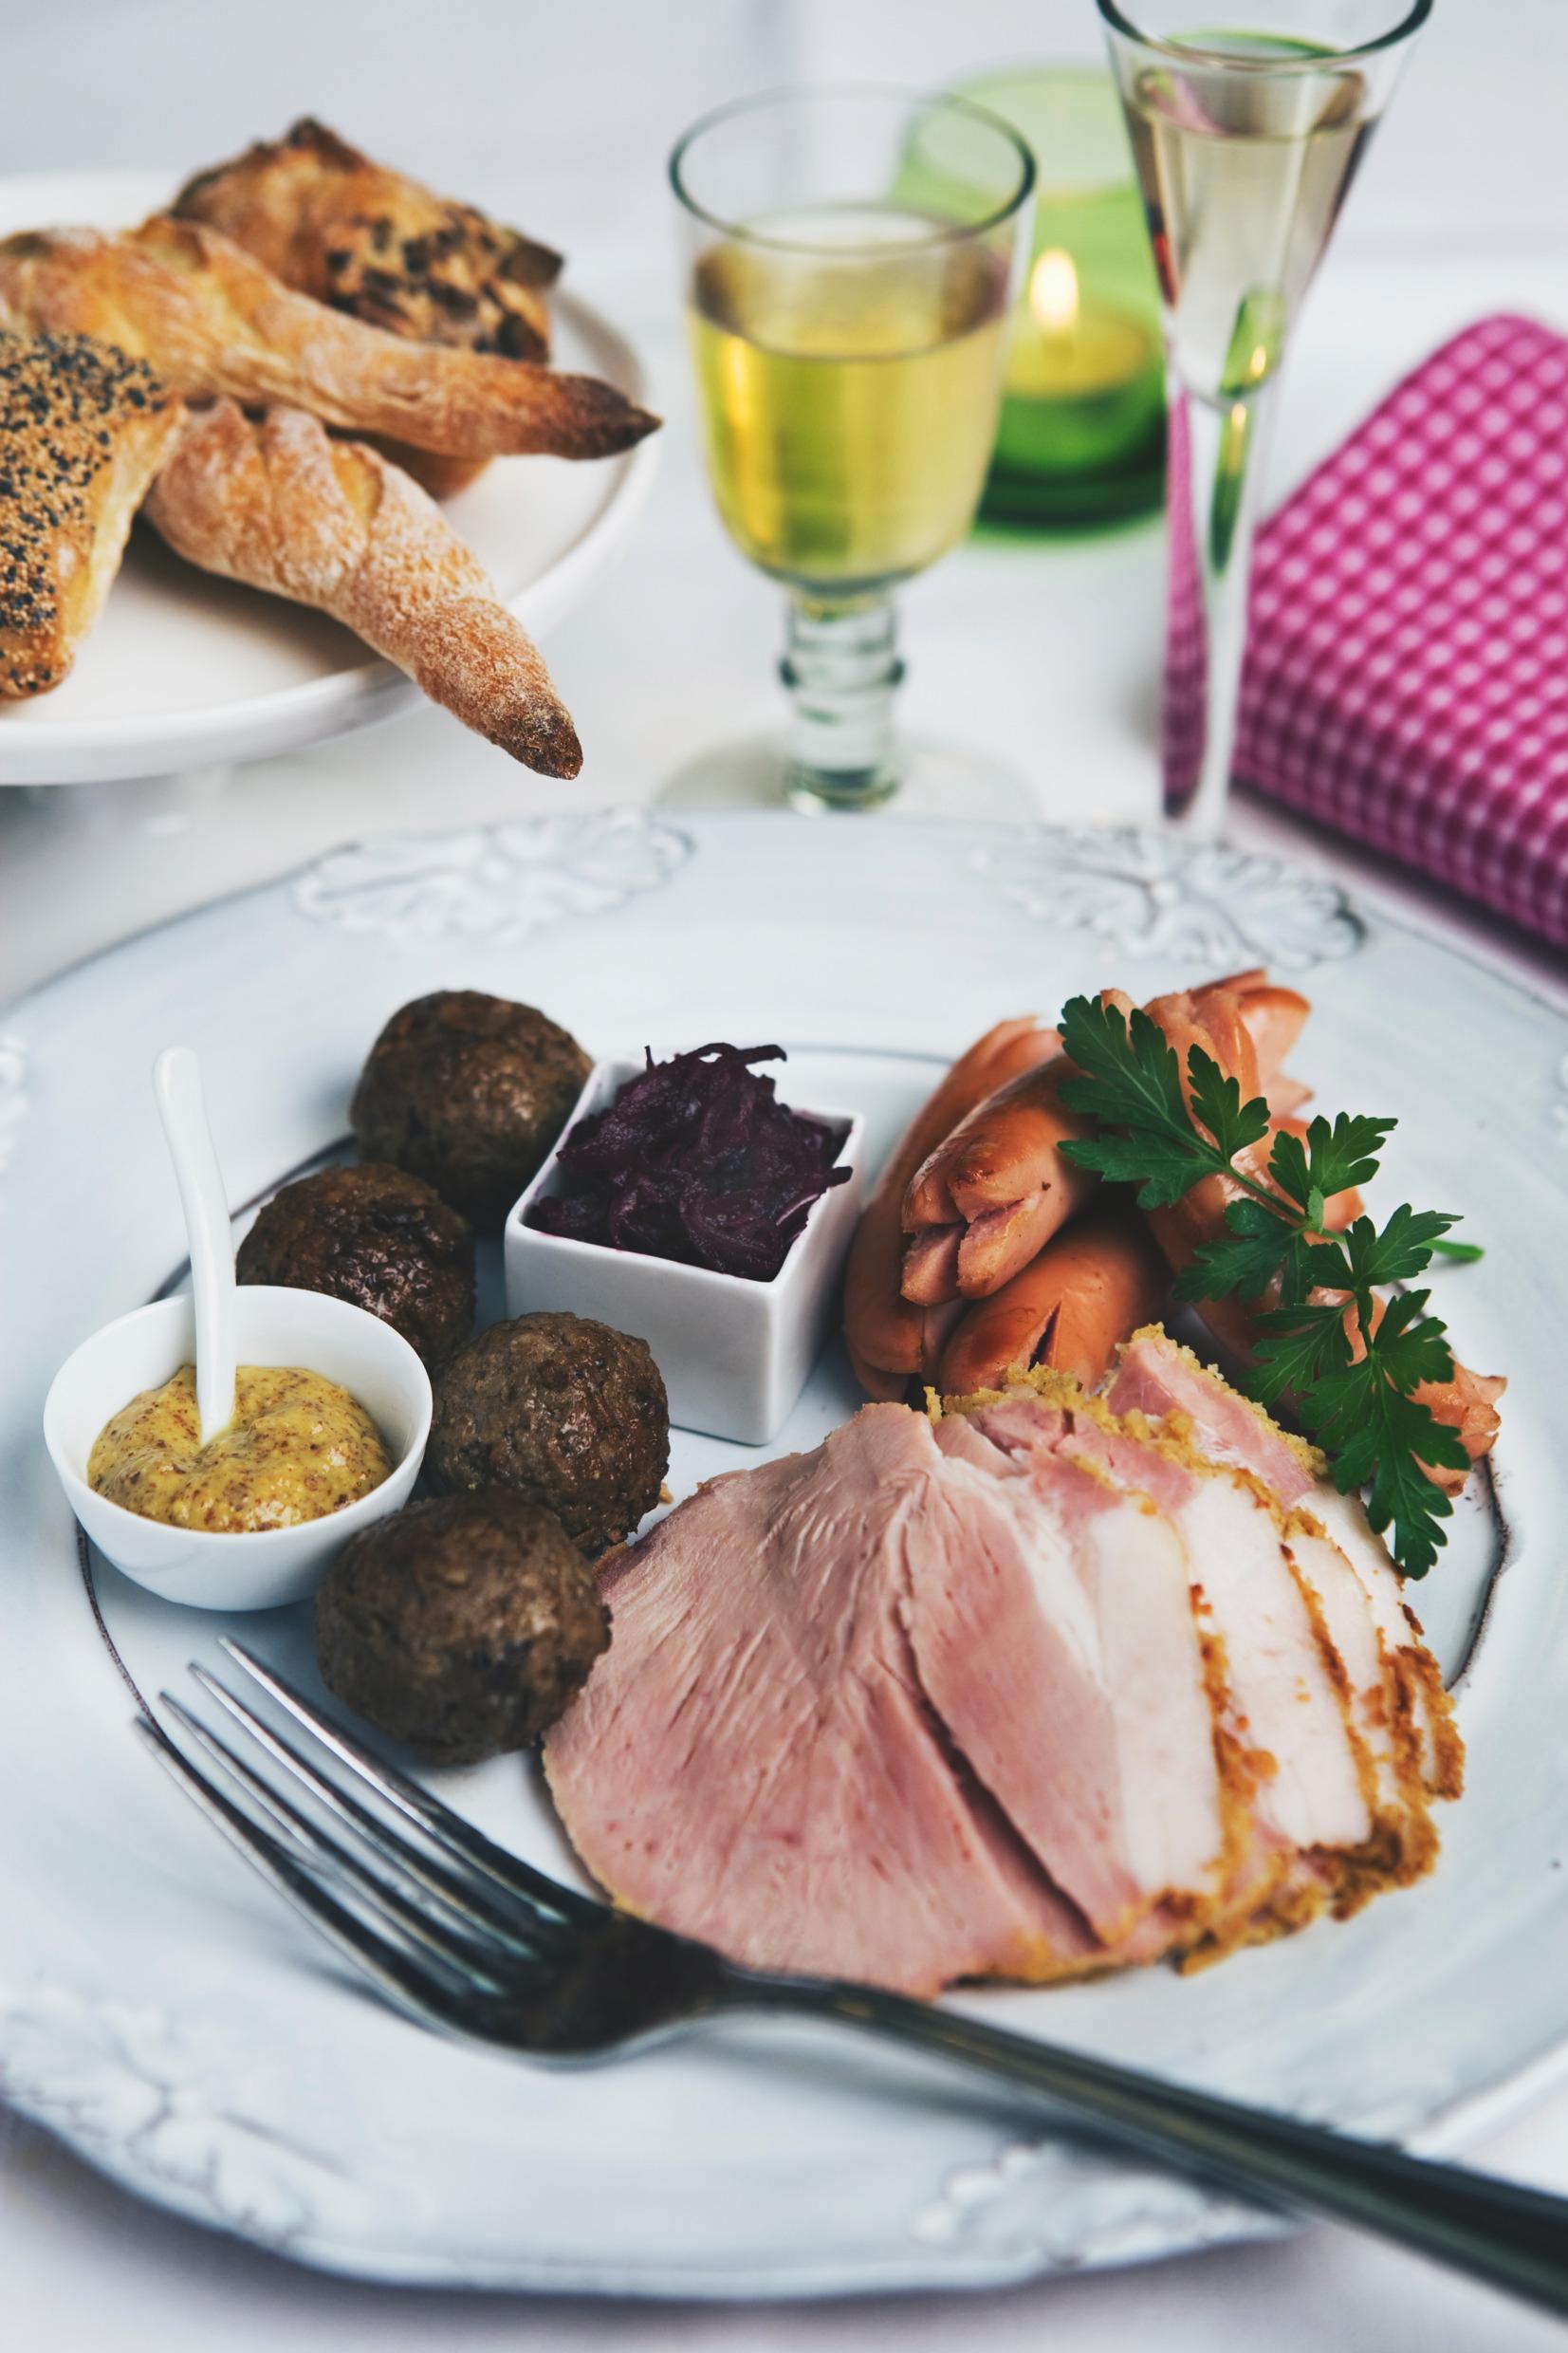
<point x="1081" y="439"/>
<point x="1083" y="389"/>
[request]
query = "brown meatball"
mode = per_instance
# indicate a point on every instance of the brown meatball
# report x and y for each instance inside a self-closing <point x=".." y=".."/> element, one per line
<point x="468" y="1092"/>
<point x="562" y="1410"/>
<point x="380" y="1239"/>
<point x="462" y="1625"/>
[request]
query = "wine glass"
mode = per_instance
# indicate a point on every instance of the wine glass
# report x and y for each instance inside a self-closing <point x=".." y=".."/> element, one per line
<point x="1246" y="143"/>
<point x="850" y="259"/>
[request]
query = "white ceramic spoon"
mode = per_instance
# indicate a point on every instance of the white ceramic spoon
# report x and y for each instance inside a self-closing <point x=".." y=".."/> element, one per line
<point x="182" y="1106"/>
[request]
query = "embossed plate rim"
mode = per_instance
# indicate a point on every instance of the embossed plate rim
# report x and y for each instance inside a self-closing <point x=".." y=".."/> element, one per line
<point x="1000" y="2235"/>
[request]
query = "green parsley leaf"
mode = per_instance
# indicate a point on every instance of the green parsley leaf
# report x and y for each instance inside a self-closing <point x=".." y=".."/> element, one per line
<point x="1344" y="1153"/>
<point x="1217" y="1103"/>
<point x="1378" y="1436"/>
<point x="1287" y="1165"/>
<point x="1243" y="1261"/>
<point x="1411" y="1345"/>
<point x="1401" y="1495"/>
<point x="1152" y="1134"/>
<point x="1294" y="1348"/>
<point x="1129" y="1076"/>
<point x="1165" y="1172"/>
<point x="1463" y="1253"/>
<point x="1310" y="1266"/>
<point x="1398" y="1252"/>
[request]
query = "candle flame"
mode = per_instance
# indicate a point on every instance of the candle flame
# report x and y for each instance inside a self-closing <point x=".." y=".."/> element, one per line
<point x="1053" y="291"/>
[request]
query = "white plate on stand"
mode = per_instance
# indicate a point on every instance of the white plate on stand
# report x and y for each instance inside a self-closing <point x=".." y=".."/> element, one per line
<point x="181" y="2029"/>
<point x="185" y="671"/>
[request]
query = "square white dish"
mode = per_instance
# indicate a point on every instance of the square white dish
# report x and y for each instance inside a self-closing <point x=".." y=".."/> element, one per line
<point x="735" y="1353"/>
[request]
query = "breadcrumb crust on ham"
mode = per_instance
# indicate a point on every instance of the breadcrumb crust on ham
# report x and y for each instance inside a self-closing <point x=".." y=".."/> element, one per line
<point x="1269" y="1433"/>
<point x="1188" y="1399"/>
<point x="1400" y="1842"/>
<point x="1271" y="1882"/>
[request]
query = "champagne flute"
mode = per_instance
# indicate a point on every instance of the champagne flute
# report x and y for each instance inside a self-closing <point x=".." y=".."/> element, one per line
<point x="1246" y="141"/>
<point x="850" y="263"/>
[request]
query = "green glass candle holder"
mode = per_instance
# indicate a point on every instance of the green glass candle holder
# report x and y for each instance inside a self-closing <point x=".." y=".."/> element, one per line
<point x="1081" y="439"/>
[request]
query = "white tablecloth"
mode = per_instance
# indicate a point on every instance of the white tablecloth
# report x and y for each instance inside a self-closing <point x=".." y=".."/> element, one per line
<point x="1047" y="656"/>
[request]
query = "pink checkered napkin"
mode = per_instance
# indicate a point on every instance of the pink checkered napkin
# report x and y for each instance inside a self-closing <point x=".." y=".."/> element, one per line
<point x="1406" y="673"/>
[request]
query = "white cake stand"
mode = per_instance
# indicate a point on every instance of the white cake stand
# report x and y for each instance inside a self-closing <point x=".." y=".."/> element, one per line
<point x="185" y="673"/>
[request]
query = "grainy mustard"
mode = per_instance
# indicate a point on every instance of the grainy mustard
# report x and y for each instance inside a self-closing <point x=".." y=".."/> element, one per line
<point x="298" y="1447"/>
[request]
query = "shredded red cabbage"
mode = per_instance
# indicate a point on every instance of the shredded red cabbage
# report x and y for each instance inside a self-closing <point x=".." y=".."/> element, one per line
<point x="696" y="1160"/>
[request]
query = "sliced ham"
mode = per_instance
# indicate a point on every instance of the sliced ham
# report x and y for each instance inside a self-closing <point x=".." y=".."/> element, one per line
<point x="754" y="1762"/>
<point x="1343" y="1567"/>
<point x="1160" y="1379"/>
<point x="1049" y="1684"/>
<point x="1053" y="1631"/>
<point x="1279" y="1708"/>
<point x="1404" y="1839"/>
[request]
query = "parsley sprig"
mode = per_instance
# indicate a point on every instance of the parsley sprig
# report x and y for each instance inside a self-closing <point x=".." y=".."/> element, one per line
<point x="1151" y="1133"/>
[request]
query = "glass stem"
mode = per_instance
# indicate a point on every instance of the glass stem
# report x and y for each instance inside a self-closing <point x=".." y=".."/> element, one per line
<point x="1217" y="454"/>
<point x="841" y="668"/>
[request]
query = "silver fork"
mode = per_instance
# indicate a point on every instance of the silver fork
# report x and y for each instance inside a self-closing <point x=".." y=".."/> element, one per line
<point x="471" y="1939"/>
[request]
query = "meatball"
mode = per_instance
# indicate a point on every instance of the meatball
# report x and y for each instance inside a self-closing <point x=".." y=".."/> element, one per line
<point x="462" y="1625"/>
<point x="380" y="1239"/>
<point x="468" y="1092"/>
<point x="561" y="1409"/>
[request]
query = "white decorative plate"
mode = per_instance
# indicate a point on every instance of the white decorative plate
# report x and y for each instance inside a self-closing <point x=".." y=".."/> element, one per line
<point x="184" y="668"/>
<point x="162" y="2013"/>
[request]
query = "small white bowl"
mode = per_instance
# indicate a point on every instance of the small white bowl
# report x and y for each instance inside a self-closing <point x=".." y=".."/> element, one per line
<point x="735" y="1353"/>
<point x="143" y="1349"/>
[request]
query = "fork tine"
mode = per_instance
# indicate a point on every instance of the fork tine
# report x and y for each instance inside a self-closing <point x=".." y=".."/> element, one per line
<point x="414" y="1926"/>
<point x="403" y="1981"/>
<point x="449" y="1830"/>
<point x="469" y="1902"/>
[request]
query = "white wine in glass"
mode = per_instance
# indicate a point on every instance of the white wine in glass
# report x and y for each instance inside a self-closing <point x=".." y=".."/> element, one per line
<point x="1246" y="141"/>
<point x="848" y="408"/>
<point x="850" y="270"/>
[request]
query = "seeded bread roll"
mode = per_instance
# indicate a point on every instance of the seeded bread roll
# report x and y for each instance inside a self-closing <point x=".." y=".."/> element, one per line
<point x="378" y="245"/>
<point x="329" y="222"/>
<point x="82" y="430"/>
